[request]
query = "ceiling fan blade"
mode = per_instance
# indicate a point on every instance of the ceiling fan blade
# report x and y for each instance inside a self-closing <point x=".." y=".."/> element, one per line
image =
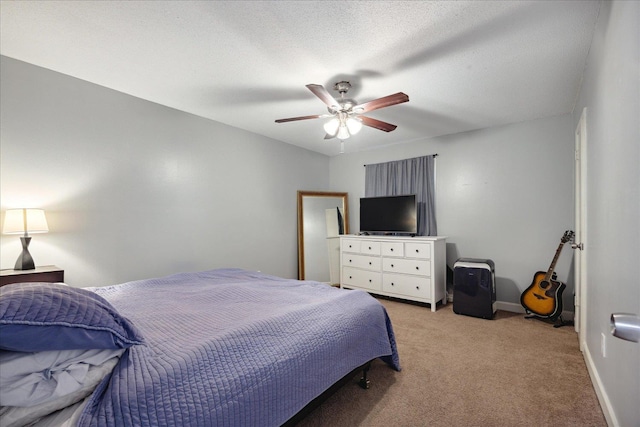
<point x="377" y="124"/>
<point x="293" y="119"/>
<point x="387" y="101"/>
<point x="329" y="136"/>
<point x="324" y="95"/>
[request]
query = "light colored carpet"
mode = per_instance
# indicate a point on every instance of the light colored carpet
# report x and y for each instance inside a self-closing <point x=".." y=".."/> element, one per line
<point x="465" y="371"/>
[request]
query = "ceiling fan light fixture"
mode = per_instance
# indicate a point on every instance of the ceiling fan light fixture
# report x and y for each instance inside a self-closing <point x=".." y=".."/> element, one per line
<point x="343" y="132"/>
<point x="354" y="125"/>
<point x="331" y="127"/>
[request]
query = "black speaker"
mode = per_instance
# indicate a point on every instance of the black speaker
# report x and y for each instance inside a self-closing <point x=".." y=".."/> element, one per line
<point x="474" y="287"/>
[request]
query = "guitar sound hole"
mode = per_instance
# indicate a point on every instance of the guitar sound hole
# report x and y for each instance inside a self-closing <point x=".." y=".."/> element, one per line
<point x="544" y="284"/>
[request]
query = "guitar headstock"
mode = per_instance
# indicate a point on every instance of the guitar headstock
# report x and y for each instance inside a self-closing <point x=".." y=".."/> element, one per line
<point x="568" y="236"/>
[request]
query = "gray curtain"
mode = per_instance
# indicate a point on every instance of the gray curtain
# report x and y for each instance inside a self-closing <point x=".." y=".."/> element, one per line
<point x="409" y="176"/>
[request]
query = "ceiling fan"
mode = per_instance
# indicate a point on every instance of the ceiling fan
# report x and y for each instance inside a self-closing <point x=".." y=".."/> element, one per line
<point x="346" y="115"/>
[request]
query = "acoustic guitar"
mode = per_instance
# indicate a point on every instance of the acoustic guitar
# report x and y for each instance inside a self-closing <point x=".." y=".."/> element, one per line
<point x="544" y="296"/>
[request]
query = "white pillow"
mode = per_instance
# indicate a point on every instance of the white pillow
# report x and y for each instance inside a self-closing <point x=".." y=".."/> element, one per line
<point x="13" y="416"/>
<point x="29" y="379"/>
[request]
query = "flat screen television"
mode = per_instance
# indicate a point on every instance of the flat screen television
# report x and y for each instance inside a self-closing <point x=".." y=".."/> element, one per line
<point x="388" y="215"/>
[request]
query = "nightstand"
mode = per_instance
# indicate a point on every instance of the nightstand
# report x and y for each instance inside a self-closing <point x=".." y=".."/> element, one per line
<point x="45" y="273"/>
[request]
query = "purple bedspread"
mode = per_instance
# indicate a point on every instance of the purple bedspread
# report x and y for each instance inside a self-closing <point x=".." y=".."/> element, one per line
<point x="231" y="347"/>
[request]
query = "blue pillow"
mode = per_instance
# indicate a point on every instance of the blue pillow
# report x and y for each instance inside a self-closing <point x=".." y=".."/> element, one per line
<point x="49" y="316"/>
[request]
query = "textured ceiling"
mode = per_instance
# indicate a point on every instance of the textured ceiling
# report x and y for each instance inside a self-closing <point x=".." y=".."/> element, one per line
<point x="465" y="65"/>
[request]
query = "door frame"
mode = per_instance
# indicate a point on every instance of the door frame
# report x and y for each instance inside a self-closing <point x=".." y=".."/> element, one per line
<point x="580" y="253"/>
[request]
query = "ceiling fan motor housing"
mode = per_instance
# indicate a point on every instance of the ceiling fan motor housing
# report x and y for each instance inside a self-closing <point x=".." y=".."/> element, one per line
<point x="344" y="104"/>
<point x="342" y="87"/>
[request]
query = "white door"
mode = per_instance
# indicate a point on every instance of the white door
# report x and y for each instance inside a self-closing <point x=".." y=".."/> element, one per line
<point x="580" y="299"/>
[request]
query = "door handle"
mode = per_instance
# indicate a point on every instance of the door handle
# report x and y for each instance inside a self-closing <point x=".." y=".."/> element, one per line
<point x="577" y="246"/>
<point x="625" y="326"/>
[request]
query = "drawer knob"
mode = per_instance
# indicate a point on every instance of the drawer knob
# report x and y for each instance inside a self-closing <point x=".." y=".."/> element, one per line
<point x="350" y="277"/>
<point x="391" y="265"/>
<point x="417" y="251"/>
<point x="393" y="284"/>
<point x="369" y="262"/>
<point x="391" y="249"/>
<point x="369" y="280"/>
<point x="418" y="287"/>
<point x="417" y="268"/>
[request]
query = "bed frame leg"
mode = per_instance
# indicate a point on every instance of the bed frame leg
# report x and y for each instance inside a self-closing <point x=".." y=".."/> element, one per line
<point x="364" y="382"/>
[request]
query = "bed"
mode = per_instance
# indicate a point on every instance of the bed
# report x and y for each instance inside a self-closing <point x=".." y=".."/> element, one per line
<point x="225" y="347"/>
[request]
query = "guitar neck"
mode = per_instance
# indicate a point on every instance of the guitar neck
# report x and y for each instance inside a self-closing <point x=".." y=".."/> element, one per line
<point x="547" y="277"/>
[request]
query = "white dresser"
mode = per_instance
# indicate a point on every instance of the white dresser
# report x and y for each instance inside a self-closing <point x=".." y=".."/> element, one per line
<point x="412" y="268"/>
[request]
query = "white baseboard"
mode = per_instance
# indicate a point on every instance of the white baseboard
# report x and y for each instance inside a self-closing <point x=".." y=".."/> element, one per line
<point x="517" y="308"/>
<point x="510" y="306"/>
<point x="603" y="398"/>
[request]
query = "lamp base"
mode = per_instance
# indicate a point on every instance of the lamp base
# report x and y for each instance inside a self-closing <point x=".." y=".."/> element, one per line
<point x="25" y="261"/>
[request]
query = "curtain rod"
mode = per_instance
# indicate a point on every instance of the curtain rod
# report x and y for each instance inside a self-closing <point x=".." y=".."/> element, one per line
<point x="434" y="155"/>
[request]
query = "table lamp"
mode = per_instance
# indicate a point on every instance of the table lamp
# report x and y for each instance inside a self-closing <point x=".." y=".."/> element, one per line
<point x="25" y="221"/>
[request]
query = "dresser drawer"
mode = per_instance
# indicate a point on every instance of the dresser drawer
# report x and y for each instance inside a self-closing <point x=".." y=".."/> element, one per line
<point x="392" y="249"/>
<point x="350" y="245"/>
<point x="361" y="261"/>
<point x="418" y="250"/>
<point x="414" y="286"/>
<point x="408" y="266"/>
<point x="363" y="279"/>
<point x="370" y="247"/>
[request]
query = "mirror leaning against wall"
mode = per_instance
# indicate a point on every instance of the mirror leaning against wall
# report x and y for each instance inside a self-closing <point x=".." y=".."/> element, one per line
<point x="322" y="217"/>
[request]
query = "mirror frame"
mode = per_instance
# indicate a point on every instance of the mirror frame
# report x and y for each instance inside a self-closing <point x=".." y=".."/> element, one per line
<point x="301" y="196"/>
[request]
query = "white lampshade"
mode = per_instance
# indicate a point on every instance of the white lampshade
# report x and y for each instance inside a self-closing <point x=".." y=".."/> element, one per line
<point x="24" y="221"/>
<point x="331" y="127"/>
<point x="343" y="132"/>
<point x="354" y="125"/>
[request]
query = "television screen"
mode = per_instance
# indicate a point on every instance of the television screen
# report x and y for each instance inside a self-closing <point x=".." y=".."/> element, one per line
<point x="389" y="214"/>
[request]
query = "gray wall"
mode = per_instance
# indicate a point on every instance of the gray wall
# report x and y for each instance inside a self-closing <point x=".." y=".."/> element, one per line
<point x="611" y="94"/>
<point x="134" y="190"/>
<point x="507" y="194"/>
<point x="503" y="193"/>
